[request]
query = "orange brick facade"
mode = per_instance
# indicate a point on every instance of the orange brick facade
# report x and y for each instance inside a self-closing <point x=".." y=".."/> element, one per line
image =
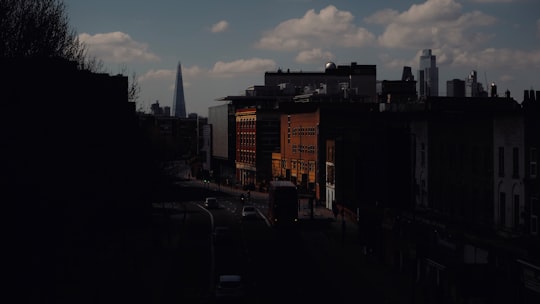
<point x="299" y="148"/>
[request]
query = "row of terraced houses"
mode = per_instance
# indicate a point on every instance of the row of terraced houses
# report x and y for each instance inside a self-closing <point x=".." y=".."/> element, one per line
<point x="445" y="189"/>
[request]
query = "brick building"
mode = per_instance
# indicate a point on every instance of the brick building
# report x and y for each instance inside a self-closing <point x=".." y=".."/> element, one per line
<point x="257" y="137"/>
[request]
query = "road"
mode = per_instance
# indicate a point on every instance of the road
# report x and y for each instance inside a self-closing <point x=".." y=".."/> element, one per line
<point x="310" y="264"/>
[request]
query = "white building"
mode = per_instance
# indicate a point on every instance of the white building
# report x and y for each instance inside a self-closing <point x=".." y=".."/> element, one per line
<point x="509" y="160"/>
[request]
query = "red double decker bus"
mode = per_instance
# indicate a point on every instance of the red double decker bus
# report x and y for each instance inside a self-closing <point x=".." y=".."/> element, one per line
<point x="282" y="203"/>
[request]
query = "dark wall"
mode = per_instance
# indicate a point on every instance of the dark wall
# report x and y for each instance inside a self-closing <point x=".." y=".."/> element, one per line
<point x="373" y="165"/>
<point x="73" y="157"/>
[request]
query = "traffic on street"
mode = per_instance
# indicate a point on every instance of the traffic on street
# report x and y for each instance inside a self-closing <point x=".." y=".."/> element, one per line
<point x="311" y="262"/>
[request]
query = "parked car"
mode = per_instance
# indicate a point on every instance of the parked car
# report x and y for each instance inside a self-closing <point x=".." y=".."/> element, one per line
<point x="249" y="212"/>
<point x="230" y="288"/>
<point x="211" y="202"/>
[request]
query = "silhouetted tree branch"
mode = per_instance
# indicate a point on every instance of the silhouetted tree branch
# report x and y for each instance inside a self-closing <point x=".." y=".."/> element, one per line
<point x="40" y="29"/>
<point x="134" y="88"/>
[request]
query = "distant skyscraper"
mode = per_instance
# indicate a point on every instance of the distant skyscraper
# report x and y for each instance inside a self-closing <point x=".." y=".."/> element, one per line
<point x="428" y="75"/>
<point x="455" y="88"/>
<point x="493" y="91"/>
<point x="179" y="104"/>
<point x="471" y="85"/>
<point x="407" y="74"/>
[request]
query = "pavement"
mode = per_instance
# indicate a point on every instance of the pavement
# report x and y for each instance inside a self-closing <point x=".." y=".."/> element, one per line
<point x="356" y="261"/>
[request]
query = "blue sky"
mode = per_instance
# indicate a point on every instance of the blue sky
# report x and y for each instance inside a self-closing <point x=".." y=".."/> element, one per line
<point x="226" y="46"/>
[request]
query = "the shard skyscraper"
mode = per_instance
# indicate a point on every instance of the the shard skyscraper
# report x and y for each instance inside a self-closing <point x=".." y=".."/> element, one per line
<point x="179" y="103"/>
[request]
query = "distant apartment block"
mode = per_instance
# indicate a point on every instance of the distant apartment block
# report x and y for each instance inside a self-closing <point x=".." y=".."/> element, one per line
<point x="455" y="88"/>
<point x="257" y="137"/>
<point x="357" y="81"/>
<point x="223" y="120"/>
<point x="396" y="91"/>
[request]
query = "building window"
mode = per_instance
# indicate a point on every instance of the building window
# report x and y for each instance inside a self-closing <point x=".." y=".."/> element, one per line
<point x="330" y="152"/>
<point x="330" y="175"/>
<point x="501" y="161"/>
<point x="502" y="209"/>
<point x="516" y="211"/>
<point x="288" y="129"/>
<point x="533" y="163"/>
<point x="515" y="162"/>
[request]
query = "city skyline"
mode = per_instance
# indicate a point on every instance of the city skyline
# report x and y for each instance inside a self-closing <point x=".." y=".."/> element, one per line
<point x="227" y="47"/>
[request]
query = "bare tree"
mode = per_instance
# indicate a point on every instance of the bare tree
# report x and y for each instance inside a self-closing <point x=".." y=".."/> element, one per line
<point x="40" y="28"/>
<point x="134" y="88"/>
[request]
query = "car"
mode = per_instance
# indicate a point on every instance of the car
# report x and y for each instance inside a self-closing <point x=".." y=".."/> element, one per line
<point x="249" y="212"/>
<point x="211" y="202"/>
<point x="230" y="287"/>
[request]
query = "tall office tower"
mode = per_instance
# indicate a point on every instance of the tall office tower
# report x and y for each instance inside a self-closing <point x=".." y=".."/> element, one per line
<point x="471" y="85"/>
<point x="428" y="75"/>
<point x="179" y="104"/>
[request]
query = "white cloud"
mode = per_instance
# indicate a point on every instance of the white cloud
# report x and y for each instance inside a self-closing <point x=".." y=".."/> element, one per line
<point x="116" y="47"/>
<point x="494" y="1"/>
<point x="170" y="75"/>
<point x="506" y="78"/>
<point x="497" y="58"/>
<point x="220" y="69"/>
<point x="329" y="27"/>
<point x="430" y="11"/>
<point x="432" y="24"/>
<point x="162" y="74"/>
<point x="192" y="71"/>
<point x="396" y="63"/>
<point x="314" y="55"/>
<point x="242" y="66"/>
<point x="220" y="27"/>
<point x="385" y="16"/>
